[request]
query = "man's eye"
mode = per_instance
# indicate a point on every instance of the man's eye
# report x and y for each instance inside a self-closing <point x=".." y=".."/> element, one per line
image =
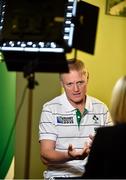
<point x="80" y="82"/>
<point x="69" y="84"/>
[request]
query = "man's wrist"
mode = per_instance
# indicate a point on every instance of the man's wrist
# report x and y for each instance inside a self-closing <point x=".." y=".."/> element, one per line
<point x="70" y="157"/>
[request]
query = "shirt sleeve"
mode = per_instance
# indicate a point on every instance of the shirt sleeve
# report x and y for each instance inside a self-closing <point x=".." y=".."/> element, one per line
<point x="47" y="129"/>
<point x="107" y="117"/>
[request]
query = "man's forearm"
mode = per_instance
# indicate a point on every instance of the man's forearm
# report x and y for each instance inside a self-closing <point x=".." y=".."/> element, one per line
<point x="55" y="157"/>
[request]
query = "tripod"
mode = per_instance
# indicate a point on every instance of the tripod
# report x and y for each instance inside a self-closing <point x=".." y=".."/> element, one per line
<point x="31" y="85"/>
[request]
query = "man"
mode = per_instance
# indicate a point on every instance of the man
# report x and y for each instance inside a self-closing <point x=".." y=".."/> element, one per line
<point x="68" y="123"/>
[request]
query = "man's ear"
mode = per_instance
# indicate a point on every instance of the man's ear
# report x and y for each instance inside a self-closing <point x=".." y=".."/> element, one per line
<point x="61" y="82"/>
<point x="87" y="76"/>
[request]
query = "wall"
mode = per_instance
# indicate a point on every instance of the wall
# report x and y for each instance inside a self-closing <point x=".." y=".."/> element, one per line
<point x="108" y="63"/>
<point x="105" y="67"/>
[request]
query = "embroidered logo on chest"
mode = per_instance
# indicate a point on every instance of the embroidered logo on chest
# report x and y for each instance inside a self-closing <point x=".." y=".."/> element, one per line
<point x="64" y="120"/>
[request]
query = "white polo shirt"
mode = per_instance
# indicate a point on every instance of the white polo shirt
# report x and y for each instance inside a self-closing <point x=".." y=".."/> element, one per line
<point x="58" y="122"/>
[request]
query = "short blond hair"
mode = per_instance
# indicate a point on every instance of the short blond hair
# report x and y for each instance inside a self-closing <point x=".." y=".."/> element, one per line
<point x="78" y="65"/>
<point x="118" y="101"/>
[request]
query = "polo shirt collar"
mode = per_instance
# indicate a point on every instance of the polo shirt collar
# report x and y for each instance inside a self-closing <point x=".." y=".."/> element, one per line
<point x="66" y="103"/>
<point x="88" y="104"/>
<point x="69" y="107"/>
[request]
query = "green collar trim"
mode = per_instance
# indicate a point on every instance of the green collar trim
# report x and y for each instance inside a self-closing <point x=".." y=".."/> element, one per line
<point x="79" y="115"/>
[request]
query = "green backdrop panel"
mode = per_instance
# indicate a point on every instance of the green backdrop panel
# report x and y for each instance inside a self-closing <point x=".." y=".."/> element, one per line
<point x="7" y="116"/>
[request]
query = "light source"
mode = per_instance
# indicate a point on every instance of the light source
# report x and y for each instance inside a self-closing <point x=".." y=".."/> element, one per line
<point x="38" y="34"/>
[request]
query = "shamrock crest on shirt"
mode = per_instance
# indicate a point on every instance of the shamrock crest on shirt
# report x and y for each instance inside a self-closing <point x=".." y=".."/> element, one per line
<point x="95" y="118"/>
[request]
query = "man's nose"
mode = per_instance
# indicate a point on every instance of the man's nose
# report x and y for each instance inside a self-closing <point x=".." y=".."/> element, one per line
<point x="76" y="87"/>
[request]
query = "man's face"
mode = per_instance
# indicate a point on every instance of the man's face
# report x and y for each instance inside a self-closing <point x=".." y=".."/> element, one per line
<point x="75" y="86"/>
